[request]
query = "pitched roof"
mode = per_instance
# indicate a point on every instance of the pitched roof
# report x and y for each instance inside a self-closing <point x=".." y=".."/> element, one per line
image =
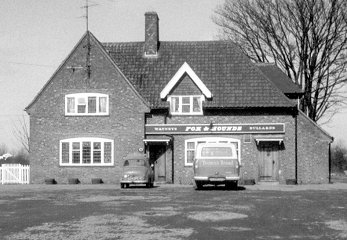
<point x="279" y="78"/>
<point x="231" y="77"/>
<point x="96" y="42"/>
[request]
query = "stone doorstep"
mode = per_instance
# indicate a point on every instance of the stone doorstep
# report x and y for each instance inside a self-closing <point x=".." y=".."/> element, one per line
<point x="267" y="183"/>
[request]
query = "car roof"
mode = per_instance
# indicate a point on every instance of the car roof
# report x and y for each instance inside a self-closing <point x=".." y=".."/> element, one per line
<point x="136" y="156"/>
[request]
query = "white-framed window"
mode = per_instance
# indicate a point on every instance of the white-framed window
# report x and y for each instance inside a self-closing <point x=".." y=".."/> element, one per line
<point x="186" y="105"/>
<point x="86" y="152"/>
<point x="190" y="146"/>
<point x="86" y="104"/>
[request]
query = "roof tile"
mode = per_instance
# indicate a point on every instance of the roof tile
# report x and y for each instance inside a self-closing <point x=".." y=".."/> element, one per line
<point x="231" y="77"/>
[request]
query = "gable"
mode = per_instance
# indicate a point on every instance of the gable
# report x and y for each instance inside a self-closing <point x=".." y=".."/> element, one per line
<point x="184" y="70"/>
<point x="72" y="74"/>
<point x="185" y="86"/>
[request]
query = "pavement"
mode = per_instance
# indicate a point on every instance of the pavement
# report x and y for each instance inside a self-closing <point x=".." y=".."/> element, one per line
<point x="256" y="187"/>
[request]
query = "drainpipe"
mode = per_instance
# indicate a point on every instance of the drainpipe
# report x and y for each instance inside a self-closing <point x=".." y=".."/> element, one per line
<point x="330" y="162"/>
<point x="332" y="140"/>
<point x="296" y="145"/>
<point x="296" y="149"/>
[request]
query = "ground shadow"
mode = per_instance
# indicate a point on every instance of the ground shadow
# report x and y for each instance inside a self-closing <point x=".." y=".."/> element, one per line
<point x="221" y="188"/>
<point x="140" y="186"/>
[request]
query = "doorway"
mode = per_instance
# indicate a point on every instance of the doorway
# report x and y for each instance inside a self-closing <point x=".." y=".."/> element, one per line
<point x="157" y="157"/>
<point x="268" y="161"/>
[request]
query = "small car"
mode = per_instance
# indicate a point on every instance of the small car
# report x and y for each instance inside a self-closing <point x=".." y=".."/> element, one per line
<point x="216" y="163"/>
<point x="137" y="170"/>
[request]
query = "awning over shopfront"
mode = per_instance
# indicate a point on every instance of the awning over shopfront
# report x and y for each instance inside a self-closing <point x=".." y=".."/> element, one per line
<point x="156" y="139"/>
<point x="278" y="140"/>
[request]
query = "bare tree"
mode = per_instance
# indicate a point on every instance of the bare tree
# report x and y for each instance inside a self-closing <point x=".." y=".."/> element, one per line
<point x="3" y="149"/>
<point x="21" y="132"/>
<point x="307" y="39"/>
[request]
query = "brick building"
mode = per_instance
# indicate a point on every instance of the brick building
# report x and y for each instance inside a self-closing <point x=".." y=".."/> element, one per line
<point x="109" y="99"/>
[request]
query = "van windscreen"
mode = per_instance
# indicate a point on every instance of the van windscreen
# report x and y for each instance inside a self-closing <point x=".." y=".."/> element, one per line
<point x="216" y="152"/>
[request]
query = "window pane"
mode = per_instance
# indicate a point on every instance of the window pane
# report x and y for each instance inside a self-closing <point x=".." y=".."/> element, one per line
<point x="76" y="145"/>
<point x="97" y="145"/>
<point x="174" y="104"/>
<point x="185" y="100"/>
<point x="97" y="152"/>
<point x="190" y="156"/>
<point x="86" y="152"/>
<point x="107" y="152"/>
<point x="81" y="108"/>
<point x="102" y="104"/>
<point x="76" y="157"/>
<point x="81" y="105"/>
<point x="190" y="145"/>
<point x="97" y="156"/>
<point x="71" y="105"/>
<point x="91" y="104"/>
<point x="196" y="104"/>
<point x="185" y="108"/>
<point x="81" y="101"/>
<point x="65" y="152"/>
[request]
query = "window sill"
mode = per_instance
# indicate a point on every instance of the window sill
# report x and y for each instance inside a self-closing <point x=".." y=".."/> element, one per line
<point x="87" y="115"/>
<point x="86" y="165"/>
<point x="187" y="114"/>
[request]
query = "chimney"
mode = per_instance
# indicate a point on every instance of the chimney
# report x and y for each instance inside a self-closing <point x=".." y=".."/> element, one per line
<point x="151" y="34"/>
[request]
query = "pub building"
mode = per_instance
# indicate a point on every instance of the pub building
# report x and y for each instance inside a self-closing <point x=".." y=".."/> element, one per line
<point x="107" y="100"/>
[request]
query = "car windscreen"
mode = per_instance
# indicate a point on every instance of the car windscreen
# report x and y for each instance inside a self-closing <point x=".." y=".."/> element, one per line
<point x="217" y="152"/>
<point x="135" y="163"/>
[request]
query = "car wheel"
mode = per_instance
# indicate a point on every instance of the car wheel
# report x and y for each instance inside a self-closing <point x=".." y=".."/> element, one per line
<point x="231" y="185"/>
<point x="197" y="185"/>
<point x="127" y="185"/>
<point x="122" y="185"/>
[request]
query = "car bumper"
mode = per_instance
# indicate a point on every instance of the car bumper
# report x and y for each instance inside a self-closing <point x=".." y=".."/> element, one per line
<point x="134" y="181"/>
<point x="219" y="179"/>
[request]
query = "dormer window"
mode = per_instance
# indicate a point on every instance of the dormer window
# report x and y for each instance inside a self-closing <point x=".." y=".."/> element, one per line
<point x="86" y="104"/>
<point x="186" y="105"/>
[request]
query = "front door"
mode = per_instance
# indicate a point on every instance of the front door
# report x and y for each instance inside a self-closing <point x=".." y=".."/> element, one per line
<point x="268" y="162"/>
<point x="157" y="154"/>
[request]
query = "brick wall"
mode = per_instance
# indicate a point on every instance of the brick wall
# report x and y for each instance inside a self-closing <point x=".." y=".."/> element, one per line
<point x="49" y="125"/>
<point x="313" y="152"/>
<point x="249" y="151"/>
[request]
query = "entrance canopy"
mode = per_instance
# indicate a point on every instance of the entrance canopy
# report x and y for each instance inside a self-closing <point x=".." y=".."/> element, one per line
<point x="157" y="139"/>
<point x="259" y="140"/>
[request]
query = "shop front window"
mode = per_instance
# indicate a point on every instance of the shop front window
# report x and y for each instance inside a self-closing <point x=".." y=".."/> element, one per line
<point x="191" y="144"/>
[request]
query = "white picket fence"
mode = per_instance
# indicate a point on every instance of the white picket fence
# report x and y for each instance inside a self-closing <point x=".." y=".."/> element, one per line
<point x="14" y="174"/>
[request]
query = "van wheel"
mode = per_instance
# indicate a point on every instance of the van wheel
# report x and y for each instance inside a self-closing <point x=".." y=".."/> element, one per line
<point x="197" y="185"/>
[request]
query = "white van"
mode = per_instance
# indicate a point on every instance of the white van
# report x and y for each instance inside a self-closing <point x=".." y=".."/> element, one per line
<point x="216" y="163"/>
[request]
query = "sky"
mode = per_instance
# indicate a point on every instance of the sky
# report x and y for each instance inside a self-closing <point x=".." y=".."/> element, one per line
<point x="37" y="35"/>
